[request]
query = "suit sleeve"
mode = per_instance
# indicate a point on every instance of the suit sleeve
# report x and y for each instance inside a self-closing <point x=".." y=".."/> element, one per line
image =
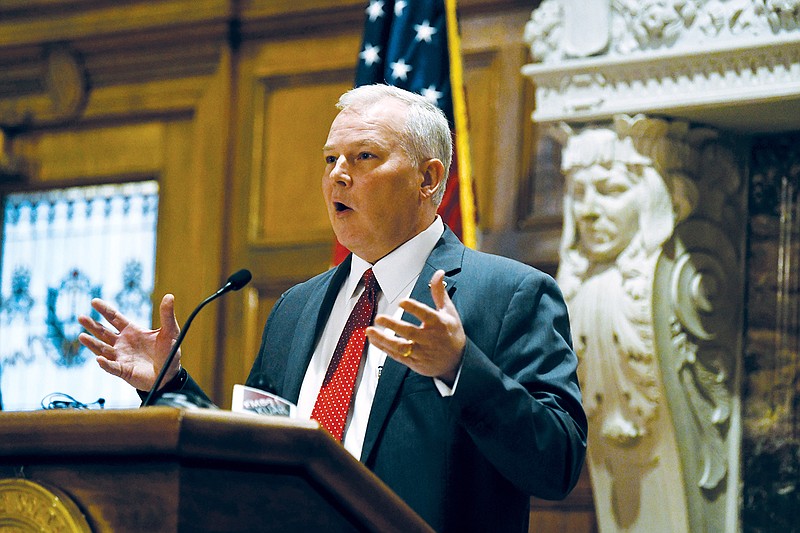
<point x="520" y="403"/>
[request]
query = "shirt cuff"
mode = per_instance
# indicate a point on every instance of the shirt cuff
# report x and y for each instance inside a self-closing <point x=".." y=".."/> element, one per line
<point x="173" y="385"/>
<point x="444" y="389"/>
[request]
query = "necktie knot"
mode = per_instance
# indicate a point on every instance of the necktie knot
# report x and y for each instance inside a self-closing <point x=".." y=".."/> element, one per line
<point x="370" y="283"/>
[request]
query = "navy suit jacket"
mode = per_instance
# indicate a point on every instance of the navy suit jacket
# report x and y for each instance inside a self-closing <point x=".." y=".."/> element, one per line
<point x="513" y="428"/>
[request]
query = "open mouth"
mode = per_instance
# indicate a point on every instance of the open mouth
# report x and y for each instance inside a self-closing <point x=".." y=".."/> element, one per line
<point x="340" y="207"/>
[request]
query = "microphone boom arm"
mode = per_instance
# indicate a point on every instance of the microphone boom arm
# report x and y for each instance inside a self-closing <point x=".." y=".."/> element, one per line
<point x="235" y="282"/>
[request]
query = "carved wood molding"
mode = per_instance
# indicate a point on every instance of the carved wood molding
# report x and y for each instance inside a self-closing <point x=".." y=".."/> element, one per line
<point x="51" y="89"/>
<point x="26" y="23"/>
<point x="58" y="56"/>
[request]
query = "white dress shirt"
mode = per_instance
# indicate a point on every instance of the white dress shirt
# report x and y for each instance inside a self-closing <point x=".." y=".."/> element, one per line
<point x="397" y="273"/>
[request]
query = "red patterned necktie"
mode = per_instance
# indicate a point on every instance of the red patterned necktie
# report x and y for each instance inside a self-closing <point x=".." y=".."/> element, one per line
<point x="333" y="402"/>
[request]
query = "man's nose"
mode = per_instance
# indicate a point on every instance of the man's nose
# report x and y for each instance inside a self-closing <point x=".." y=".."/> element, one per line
<point x="340" y="173"/>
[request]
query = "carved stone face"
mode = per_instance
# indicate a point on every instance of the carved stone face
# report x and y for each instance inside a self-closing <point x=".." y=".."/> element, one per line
<point x="606" y="210"/>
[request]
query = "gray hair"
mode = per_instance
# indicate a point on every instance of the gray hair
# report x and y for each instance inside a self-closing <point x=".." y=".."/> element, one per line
<point x="427" y="132"/>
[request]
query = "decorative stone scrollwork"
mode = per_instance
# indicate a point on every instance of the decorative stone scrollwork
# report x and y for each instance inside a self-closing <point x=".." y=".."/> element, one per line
<point x="640" y="25"/>
<point x="704" y="284"/>
<point x="698" y="324"/>
<point x="594" y="60"/>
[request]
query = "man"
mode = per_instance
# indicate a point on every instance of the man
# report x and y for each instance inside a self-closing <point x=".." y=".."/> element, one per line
<point x="466" y="400"/>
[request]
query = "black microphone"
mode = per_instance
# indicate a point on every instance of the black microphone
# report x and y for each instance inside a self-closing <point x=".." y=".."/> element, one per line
<point x="236" y="281"/>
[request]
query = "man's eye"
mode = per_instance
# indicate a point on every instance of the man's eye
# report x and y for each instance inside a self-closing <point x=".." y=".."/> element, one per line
<point x="365" y="155"/>
<point x="329" y="159"/>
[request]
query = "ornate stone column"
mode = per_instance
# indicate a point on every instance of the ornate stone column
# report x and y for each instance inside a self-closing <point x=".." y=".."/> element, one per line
<point x="653" y="281"/>
<point x="651" y="100"/>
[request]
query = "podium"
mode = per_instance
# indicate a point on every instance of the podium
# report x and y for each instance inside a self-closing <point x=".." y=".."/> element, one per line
<point x="162" y="469"/>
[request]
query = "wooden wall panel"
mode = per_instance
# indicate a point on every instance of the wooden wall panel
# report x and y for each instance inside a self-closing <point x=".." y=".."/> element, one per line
<point x="94" y="154"/>
<point x="146" y="120"/>
<point x="291" y="118"/>
<point x="36" y="21"/>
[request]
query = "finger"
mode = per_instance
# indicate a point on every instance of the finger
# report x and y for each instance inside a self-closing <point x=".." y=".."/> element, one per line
<point x="423" y="312"/>
<point x="166" y="310"/>
<point x="400" y="327"/>
<point x="94" y="345"/>
<point x="112" y="367"/>
<point x="97" y="329"/>
<point x="438" y="291"/>
<point x="114" y="317"/>
<point x="395" y="346"/>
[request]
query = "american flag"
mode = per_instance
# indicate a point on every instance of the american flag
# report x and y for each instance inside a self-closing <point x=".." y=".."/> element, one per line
<point x="406" y="44"/>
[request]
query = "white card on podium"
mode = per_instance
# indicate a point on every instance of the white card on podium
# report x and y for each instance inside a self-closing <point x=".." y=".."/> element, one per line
<point x="251" y="400"/>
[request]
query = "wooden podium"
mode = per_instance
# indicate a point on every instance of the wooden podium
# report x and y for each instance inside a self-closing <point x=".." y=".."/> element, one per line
<point x="162" y="469"/>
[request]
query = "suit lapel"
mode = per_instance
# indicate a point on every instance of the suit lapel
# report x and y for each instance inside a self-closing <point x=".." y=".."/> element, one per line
<point x="312" y="320"/>
<point x="447" y="255"/>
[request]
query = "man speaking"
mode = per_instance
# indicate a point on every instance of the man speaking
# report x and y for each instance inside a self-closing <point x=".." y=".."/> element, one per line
<point x="448" y="372"/>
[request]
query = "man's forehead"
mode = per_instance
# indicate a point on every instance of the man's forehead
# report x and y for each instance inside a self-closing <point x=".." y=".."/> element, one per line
<point x="356" y="140"/>
<point x="358" y="129"/>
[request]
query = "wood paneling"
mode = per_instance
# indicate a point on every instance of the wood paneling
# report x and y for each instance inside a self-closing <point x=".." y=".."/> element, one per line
<point x="575" y="514"/>
<point x="42" y="21"/>
<point x="290" y="118"/>
<point x="91" y="155"/>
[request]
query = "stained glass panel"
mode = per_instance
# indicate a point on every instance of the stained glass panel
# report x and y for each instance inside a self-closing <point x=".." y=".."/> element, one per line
<point x="60" y="249"/>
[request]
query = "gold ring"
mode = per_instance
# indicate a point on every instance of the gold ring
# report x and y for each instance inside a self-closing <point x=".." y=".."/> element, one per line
<point x="409" y="349"/>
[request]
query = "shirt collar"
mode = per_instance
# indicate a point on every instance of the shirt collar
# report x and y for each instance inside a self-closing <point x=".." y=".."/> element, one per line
<point x="401" y="266"/>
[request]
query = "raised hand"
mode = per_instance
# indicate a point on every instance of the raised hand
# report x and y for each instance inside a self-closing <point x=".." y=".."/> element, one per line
<point x="435" y="347"/>
<point x="131" y="352"/>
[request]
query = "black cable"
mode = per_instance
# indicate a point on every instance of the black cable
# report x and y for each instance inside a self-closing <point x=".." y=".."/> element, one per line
<point x="60" y="400"/>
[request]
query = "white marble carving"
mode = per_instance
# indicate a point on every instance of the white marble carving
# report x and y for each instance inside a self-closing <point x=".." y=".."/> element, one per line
<point x="617" y="215"/>
<point x="652" y="283"/>
<point x="681" y="56"/>
<point x="632" y="26"/>
<point x="698" y="326"/>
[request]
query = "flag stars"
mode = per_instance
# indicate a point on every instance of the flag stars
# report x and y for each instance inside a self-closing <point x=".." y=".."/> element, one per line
<point x="399" y="6"/>
<point x="431" y="94"/>
<point x="424" y="31"/>
<point x="375" y="10"/>
<point x="370" y="54"/>
<point x="400" y="69"/>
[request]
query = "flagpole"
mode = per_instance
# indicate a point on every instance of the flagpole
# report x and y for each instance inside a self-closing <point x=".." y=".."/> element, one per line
<point x="466" y="196"/>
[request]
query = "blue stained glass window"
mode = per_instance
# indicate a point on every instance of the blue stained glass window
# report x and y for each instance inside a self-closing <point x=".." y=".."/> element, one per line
<point x="60" y="249"/>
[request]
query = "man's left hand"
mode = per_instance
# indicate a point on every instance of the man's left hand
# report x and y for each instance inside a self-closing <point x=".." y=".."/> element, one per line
<point x="435" y="347"/>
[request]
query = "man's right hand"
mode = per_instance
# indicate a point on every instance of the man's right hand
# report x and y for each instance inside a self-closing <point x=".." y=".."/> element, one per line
<point x="132" y="353"/>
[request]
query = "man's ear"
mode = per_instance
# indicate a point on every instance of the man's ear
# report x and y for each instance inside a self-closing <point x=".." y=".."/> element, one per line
<point x="432" y="177"/>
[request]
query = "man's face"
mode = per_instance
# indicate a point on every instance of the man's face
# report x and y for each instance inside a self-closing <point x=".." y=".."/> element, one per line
<point x="606" y="210"/>
<point x="372" y="189"/>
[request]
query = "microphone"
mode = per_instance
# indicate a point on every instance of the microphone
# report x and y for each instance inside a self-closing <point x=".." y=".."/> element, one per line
<point x="236" y="281"/>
